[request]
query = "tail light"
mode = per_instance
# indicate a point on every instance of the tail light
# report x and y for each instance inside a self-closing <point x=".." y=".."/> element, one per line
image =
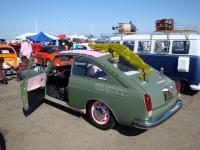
<point x="177" y="84"/>
<point x="148" y="104"/>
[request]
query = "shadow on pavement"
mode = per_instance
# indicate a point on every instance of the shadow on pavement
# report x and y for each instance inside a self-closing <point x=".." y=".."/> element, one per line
<point x="2" y="142"/>
<point x="128" y="131"/>
<point x="124" y="130"/>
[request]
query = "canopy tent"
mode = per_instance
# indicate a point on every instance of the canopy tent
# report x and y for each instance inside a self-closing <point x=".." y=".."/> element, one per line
<point x="40" y="37"/>
<point x="23" y="36"/>
<point x="51" y="36"/>
<point x="62" y="36"/>
<point x="75" y="36"/>
<point x="83" y="37"/>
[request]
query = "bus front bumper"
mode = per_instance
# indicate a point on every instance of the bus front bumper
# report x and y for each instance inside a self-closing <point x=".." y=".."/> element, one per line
<point x="195" y="87"/>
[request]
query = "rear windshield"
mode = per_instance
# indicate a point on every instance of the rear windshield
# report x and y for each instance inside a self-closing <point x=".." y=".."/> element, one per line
<point x="124" y="66"/>
<point x="6" y="51"/>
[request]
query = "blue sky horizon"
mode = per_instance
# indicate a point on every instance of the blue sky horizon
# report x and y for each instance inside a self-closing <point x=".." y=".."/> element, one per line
<point x="87" y="16"/>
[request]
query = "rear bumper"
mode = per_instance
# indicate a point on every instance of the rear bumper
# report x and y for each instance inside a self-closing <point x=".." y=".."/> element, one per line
<point x="146" y="124"/>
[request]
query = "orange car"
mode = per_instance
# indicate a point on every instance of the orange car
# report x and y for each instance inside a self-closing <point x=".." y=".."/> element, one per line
<point x="48" y="53"/>
<point x="10" y="56"/>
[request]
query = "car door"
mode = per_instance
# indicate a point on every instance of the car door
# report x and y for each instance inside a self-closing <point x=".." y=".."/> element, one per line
<point x="33" y="85"/>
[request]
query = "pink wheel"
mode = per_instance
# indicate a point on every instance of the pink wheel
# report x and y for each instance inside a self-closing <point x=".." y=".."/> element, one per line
<point x="100" y="115"/>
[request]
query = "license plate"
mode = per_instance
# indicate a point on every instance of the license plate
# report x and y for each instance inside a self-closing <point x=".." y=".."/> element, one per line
<point x="9" y="61"/>
<point x="168" y="95"/>
<point x="168" y="92"/>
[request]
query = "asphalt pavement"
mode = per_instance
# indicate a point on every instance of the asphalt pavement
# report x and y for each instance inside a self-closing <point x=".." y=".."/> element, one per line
<point x="52" y="127"/>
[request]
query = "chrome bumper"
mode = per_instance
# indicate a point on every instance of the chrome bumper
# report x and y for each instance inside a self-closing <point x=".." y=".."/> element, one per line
<point x="195" y="87"/>
<point x="146" y="124"/>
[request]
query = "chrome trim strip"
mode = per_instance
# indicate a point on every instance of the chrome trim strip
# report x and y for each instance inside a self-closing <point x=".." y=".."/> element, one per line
<point x="59" y="102"/>
<point x="146" y="124"/>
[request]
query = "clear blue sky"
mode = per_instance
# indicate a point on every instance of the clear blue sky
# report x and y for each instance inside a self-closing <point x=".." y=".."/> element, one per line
<point x="77" y="16"/>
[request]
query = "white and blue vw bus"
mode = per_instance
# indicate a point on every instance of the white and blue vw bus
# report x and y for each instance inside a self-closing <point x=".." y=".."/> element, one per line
<point x="176" y="54"/>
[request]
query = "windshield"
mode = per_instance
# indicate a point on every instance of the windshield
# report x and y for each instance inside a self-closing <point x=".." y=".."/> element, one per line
<point x="124" y="66"/>
<point x="80" y="47"/>
<point x="6" y="51"/>
<point x="51" y="49"/>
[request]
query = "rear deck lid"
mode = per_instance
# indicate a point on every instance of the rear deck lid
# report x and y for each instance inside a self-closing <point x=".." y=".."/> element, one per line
<point x="160" y="88"/>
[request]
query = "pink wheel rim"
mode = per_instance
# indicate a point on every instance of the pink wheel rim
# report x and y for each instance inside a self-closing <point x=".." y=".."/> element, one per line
<point x="100" y="113"/>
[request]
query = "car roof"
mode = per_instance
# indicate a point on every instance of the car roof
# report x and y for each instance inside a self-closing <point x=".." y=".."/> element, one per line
<point x="86" y="52"/>
<point x="4" y="45"/>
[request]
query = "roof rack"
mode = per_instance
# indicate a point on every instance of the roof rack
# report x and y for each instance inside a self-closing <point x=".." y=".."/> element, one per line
<point x="180" y="29"/>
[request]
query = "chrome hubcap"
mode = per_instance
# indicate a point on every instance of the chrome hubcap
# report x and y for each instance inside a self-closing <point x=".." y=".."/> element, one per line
<point x="100" y="113"/>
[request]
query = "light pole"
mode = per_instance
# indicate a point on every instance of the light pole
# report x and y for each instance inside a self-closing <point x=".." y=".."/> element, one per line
<point x="92" y="28"/>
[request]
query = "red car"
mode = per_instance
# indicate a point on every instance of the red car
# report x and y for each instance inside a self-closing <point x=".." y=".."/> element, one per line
<point x="48" y="53"/>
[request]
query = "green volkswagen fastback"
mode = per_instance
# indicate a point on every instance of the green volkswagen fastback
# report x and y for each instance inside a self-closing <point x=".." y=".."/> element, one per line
<point x="106" y="90"/>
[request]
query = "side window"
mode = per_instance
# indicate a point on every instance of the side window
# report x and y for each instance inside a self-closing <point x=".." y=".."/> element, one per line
<point x="84" y="67"/>
<point x="180" y="47"/>
<point x="144" y="46"/>
<point x="37" y="64"/>
<point x="130" y="44"/>
<point x="162" y="46"/>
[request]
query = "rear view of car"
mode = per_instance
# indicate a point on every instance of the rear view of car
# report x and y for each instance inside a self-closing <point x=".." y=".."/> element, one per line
<point x="9" y="55"/>
<point x="157" y="96"/>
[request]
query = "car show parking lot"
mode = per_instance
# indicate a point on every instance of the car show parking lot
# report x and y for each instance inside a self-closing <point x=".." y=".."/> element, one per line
<point x="54" y="127"/>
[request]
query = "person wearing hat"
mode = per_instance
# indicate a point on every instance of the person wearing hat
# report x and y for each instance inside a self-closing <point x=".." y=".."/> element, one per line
<point x="3" y="78"/>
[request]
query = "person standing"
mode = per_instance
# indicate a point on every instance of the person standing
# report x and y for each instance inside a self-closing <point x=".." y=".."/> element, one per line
<point x="26" y="49"/>
<point x="3" y="78"/>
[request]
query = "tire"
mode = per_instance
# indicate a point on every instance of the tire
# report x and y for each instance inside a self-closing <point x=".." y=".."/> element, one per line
<point x="100" y="115"/>
<point x="185" y="89"/>
<point x="2" y="142"/>
<point x="48" y="62"/>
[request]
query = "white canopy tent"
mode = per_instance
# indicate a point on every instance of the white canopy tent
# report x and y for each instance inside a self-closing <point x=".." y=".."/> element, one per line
<point x="23" y="36"/>
<point x="75" y="36"/>
<point x="51" y="36"/>
<point x="83" y="37"/>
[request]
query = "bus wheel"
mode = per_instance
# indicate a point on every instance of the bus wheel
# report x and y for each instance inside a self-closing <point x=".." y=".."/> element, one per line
<point x="185" y="89"/>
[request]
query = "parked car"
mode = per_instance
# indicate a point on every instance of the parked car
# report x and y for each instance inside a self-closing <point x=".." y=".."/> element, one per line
<point x="2" y="41"/>
<point x="48" y="53"/>
<point x="105" y="90"/>
<point x="82" y="46"/>
<point x="10" y="56"/>
<point x="16" y="44"/>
